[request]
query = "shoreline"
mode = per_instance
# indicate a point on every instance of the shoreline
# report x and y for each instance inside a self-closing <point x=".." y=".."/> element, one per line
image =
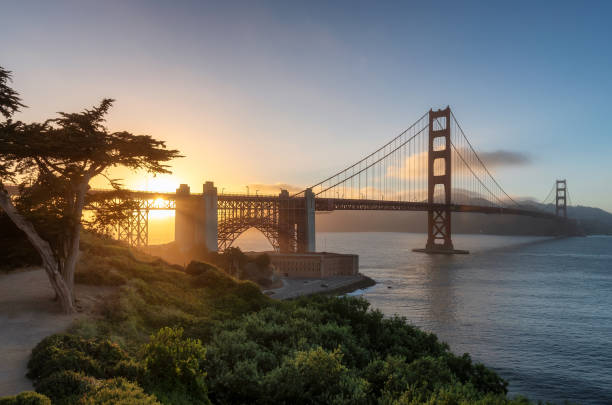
<point x="301" y="287"/>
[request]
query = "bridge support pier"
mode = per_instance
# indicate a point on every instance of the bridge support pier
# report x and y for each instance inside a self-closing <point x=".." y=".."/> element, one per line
<point x="285" y="225"/>
<point x="439" y="174"/>
<point x="296" y="223"/>
<point x="306" y="226"/>
<point x="184" y="218"/>
<point x="195" y="221"/>
<point x="208" y="228"/>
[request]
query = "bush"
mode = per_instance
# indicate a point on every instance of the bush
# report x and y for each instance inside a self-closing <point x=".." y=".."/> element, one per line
<point x="263" y="261"/>
<point x="174" y="365"/>
<point x="94" y="357"/>
<point x="196" y="268"/>
<point x="263" y="276"/>
<point x="483" y="379"/>
<point x="314" y="377"/>
<point x="97" y="272"/>
<point x="118" y="391"/>
<point x="214" y="278"/>
<point x="26" y="398"/>
<point x="65" y="387"/>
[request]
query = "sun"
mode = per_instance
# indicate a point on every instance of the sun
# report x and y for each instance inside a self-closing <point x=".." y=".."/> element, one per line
<point x="162" y="184"/>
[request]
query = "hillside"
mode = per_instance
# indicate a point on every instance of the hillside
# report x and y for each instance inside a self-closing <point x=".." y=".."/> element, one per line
<point x="198" y="336"/>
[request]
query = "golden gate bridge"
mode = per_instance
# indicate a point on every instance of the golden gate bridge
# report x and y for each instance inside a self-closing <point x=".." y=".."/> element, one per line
<point x="430" y="167"/>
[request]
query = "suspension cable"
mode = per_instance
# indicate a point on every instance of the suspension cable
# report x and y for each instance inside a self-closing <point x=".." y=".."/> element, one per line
<point x="370" y="155"/>
<point x="483" y="165"/>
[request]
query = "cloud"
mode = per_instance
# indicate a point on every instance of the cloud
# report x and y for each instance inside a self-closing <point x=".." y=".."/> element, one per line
<point x="504" y="158"/>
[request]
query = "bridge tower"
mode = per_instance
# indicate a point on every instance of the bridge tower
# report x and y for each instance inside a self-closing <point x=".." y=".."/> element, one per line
<point x="184" y="219"/>
<point x="286" y="222"/>
<point x="561" y="198"/>
<point x="306" y="224"/>
<point x="439" y="185"/>
<point x="296" y="223"/>
<point x="208" y="228"/>
<point x="196" y="217"/>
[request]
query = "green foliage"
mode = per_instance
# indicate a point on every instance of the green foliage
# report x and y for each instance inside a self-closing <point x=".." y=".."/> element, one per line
<point x="10" y="102"/>
<point x="314" y="376"/>
<point x="263" y="276"/>
<point x="483" y="379"/>
<point x="118" y="391"/>
<point x="94" y="357"/>
<point x="246" y="355"/>
<point x="173" y="367"/>
<point x="195" y="268"/>
<point x="392" y="377"/>
<point x="263" y="261"/>
<point x="98" y="272"/>
<point x="65" y="387"/>
<point x="232" y="261"/>
<point x="26" y="398"/>
<point x="208" y="275"/>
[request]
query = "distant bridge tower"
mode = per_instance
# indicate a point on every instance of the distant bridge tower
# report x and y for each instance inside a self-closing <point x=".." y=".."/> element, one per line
<point x="439" y="185"/>
<point x="561" y="199"/>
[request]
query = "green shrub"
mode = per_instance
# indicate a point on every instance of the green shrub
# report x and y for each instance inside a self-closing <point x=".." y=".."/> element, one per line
<point x="129" y="369"/>
<point x="97" y="272"/>
<point x="483" y="379"/>
<point x="94" y="357"/>
<point x="314" y="377"/>
<point x="118" y="391"/>
<point x="195" y="268"/>
<point x="263" y="261"/>
<point x="65" y="387"/>
<point x="173" y="366"/>
<point x="213" y="278"/>
<point x="26" y="398"/>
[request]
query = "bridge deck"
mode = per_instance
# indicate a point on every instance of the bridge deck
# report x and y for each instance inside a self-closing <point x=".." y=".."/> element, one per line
<point x="338" y="204"/>
<point x="347" y="204"/>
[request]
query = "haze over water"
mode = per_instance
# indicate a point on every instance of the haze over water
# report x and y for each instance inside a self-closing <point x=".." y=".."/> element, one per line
<point x="536" y="310"/>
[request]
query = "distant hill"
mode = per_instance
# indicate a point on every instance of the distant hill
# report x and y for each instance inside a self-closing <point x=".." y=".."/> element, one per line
<point x="594" y="221"/>
<point x="591" y="220"/>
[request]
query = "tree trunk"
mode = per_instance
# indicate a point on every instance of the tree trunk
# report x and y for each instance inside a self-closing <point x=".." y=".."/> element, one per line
<point x="73" y="249"/>
<point x="63" y="292"/>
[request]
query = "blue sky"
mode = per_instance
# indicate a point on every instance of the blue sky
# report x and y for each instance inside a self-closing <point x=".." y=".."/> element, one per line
<point x="289" y="92"/>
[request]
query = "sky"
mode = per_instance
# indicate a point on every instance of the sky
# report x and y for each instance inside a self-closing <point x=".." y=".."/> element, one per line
<point x="280" y="93"/>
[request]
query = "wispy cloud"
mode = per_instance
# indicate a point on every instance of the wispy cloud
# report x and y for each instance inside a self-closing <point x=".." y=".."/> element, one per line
<point x="501" y="157"/>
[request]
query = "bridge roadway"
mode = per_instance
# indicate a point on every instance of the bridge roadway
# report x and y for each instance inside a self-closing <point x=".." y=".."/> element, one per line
<point x="165" y="201"/>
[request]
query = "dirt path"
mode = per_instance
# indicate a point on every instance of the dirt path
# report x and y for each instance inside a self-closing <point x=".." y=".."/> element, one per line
<point x="28" y="314"/>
